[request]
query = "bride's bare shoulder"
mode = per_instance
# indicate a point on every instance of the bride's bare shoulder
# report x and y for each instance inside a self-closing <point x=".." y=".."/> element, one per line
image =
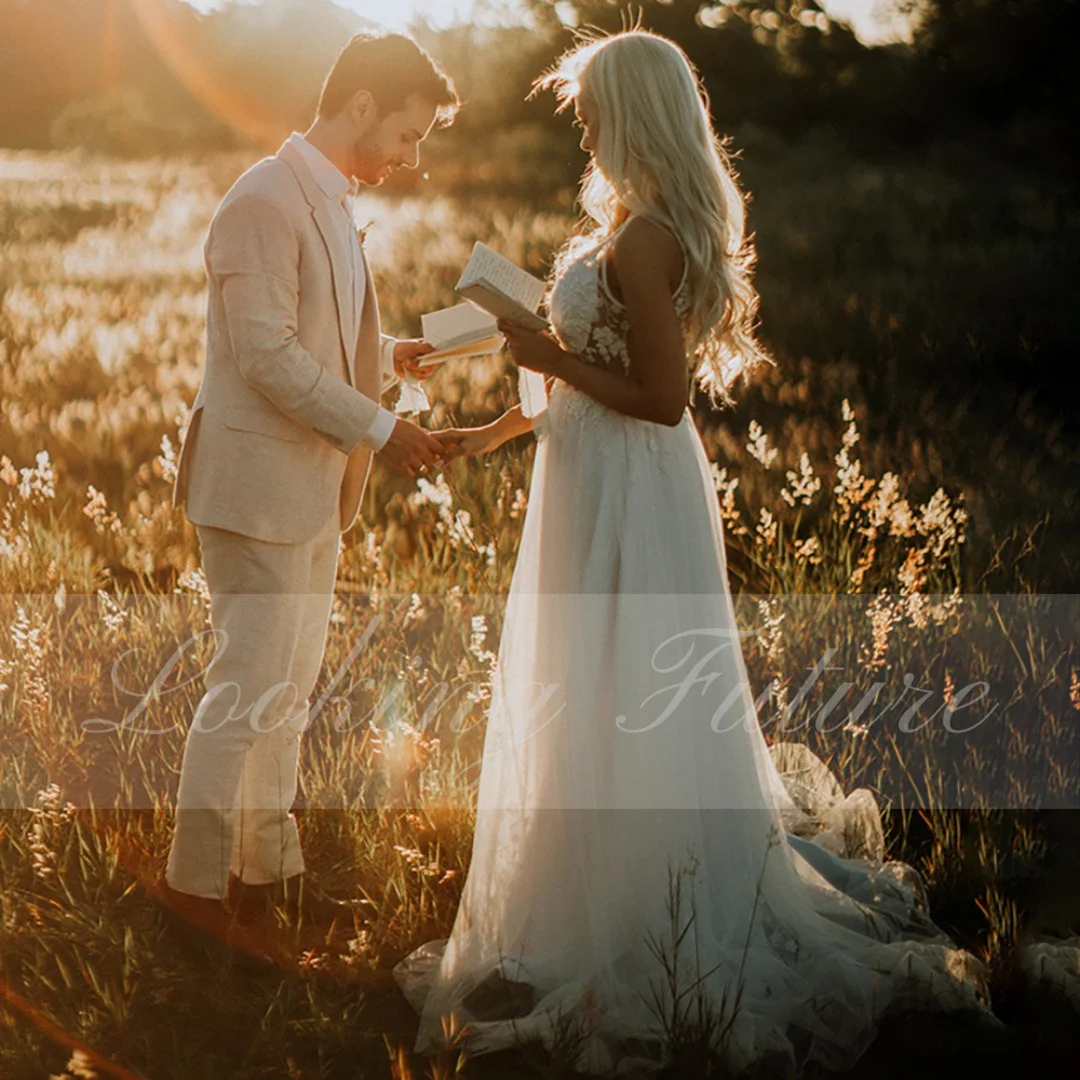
<point x="642" y="242"/>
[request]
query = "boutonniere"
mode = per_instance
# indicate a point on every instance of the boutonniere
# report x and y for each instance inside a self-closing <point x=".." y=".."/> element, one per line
<point x="362" y="231"/>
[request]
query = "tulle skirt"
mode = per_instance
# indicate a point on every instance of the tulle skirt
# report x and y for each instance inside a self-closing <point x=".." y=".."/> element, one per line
<point x="637" y="843"/>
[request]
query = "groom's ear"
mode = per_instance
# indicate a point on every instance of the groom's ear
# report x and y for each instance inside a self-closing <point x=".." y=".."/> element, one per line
<point x="362" y="109"/>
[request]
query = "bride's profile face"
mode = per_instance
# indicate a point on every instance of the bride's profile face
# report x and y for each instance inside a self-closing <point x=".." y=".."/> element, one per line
<point x="585" y="118"/>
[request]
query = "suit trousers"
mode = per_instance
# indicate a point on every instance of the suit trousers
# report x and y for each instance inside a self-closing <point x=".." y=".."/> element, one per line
<point x="269" y="610"/>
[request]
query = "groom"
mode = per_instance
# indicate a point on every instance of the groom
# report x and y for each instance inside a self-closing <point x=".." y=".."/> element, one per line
<point x="276" y="459"/>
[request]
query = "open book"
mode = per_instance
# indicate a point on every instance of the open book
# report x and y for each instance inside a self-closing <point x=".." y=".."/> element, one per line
<point x="494" y="288"/>
<point x="459" y="331"/>
<point x="508" y="292"/>
<point x="501" y="288"/>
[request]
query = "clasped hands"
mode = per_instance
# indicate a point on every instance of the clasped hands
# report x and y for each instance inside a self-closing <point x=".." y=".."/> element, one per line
<point x="415" y="450"/>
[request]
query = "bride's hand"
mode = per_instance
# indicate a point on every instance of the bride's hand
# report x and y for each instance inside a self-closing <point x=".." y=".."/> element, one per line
<point x="461" y="442"/>
<point x="533" y="349"/>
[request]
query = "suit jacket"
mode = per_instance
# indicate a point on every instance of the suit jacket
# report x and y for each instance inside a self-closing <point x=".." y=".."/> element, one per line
<point x="277" y="437"/>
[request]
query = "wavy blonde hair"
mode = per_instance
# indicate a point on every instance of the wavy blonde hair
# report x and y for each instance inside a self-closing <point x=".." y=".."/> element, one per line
<point x="657" y="156"/>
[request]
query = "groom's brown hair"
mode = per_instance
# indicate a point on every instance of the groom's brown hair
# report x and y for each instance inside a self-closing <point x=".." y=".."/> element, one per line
<point x="393" y="68"/>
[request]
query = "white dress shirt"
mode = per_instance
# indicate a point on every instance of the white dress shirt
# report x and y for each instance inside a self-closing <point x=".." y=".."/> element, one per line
<point x="339" y="189"/>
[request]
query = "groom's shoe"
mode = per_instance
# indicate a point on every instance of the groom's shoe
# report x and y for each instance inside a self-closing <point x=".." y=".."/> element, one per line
<point x="250" y="904"/>
<point x="206" y="913"/>
<point x="208" y="925"/>
<point x="301" y="903"/>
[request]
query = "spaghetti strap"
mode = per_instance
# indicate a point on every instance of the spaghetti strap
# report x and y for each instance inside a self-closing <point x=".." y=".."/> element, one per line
<point x="603" y="265"/>
<point x="604" y="280"/>
<point x="603" y="262"/>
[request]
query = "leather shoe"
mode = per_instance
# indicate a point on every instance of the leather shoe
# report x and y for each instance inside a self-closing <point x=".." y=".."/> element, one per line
<point x="302" y="904"/>
<point x="207" y="925"/>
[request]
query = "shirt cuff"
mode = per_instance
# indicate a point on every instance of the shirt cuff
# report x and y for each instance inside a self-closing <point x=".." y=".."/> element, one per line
<point x="378" y="435"/>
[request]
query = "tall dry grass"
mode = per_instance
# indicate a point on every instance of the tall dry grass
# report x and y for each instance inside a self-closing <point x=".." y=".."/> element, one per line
<point x="101" y="321"/>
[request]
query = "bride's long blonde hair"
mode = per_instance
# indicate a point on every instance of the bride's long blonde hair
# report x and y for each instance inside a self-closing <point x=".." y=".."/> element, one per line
<point x="657" y="156"/>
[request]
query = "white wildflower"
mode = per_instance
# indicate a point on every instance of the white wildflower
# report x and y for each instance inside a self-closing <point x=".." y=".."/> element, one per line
<point x="772" y="635"/>
<point x="112" y="613"/>
<point x="437" y="493"/>
<point x="6" y="668"/>
<point x="851" y="486"/>
<point x="194" y="581"/>
<point x="767" y="528"/>
<point x="851" y="435"/>
<point x="49" y="815"/>
<point x="942" y="524"/>
<point x="167" y="459"/>
<point x="804" y="484"/>
<point x="810" y="550"/>
<point x="97" y="510"/>
<point x="8" y="473"/>
<point x="477" y="638"/>
<point x="28" y="641"/>
<point x="759" y="445"/>
<point x="883" y="616"/>
<point x="38" y="483"/>
<point x="729" y="512"/>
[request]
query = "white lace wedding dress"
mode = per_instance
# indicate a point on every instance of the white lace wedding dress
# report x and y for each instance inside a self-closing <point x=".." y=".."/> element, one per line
<point x="642" y="754"/>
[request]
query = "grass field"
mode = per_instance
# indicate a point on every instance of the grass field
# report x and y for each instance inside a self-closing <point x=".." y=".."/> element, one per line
<point x="900" y="447"/>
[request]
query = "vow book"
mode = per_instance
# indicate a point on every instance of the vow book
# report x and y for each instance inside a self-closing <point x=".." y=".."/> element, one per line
<point x="501" y="288"/>
<point x="459" y="331"/>
<point x="494" y="288"/>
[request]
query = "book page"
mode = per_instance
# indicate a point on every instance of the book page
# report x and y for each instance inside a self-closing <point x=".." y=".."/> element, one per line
<point x="487" y="346"/>
<point x="488" y="267"/>
<point x="502" y="306"/>
<point x="457" y="325"/>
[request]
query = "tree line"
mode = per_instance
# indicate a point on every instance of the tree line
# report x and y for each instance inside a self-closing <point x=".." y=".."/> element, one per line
<point x="157" y="76"/>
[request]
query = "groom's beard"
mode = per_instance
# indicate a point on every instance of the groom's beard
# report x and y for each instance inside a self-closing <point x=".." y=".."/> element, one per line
<point x="370" y="165"/>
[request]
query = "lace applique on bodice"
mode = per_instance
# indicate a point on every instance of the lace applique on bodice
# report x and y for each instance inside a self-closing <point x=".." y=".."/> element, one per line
<point x="587" y="318"/>
<point x="590" y="322"/>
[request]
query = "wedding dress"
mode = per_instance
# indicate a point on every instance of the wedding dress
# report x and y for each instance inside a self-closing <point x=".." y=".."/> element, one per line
<point x="627" y="794"/>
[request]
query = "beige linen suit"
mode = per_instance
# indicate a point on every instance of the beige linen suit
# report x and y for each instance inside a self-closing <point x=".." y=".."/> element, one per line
<point x="272" y="471"/>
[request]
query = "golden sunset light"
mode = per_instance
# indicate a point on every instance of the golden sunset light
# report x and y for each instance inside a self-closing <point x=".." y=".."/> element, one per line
<point x="874" y="21"/>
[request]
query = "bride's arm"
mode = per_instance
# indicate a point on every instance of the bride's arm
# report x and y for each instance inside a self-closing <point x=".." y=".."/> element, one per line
<point x="510" y="425"/>
<point x="482" y="440"/>
<point x="647" y="260"/>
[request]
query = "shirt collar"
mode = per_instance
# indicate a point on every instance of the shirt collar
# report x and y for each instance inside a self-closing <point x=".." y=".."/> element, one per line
<point x="334" y="183"/>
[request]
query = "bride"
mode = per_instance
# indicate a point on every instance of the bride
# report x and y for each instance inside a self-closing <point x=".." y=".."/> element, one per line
<point x="636" y="842"/>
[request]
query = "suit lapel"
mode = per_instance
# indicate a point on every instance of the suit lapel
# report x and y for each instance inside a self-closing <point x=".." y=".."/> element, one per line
<point x="366" y="351"/>
<point x="367" y="378"/>
<point x="340" y="262"/>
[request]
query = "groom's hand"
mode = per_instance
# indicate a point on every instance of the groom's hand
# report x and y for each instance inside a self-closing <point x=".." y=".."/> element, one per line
<point x="406" y="356"/>
<point x="411" y="449"/>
